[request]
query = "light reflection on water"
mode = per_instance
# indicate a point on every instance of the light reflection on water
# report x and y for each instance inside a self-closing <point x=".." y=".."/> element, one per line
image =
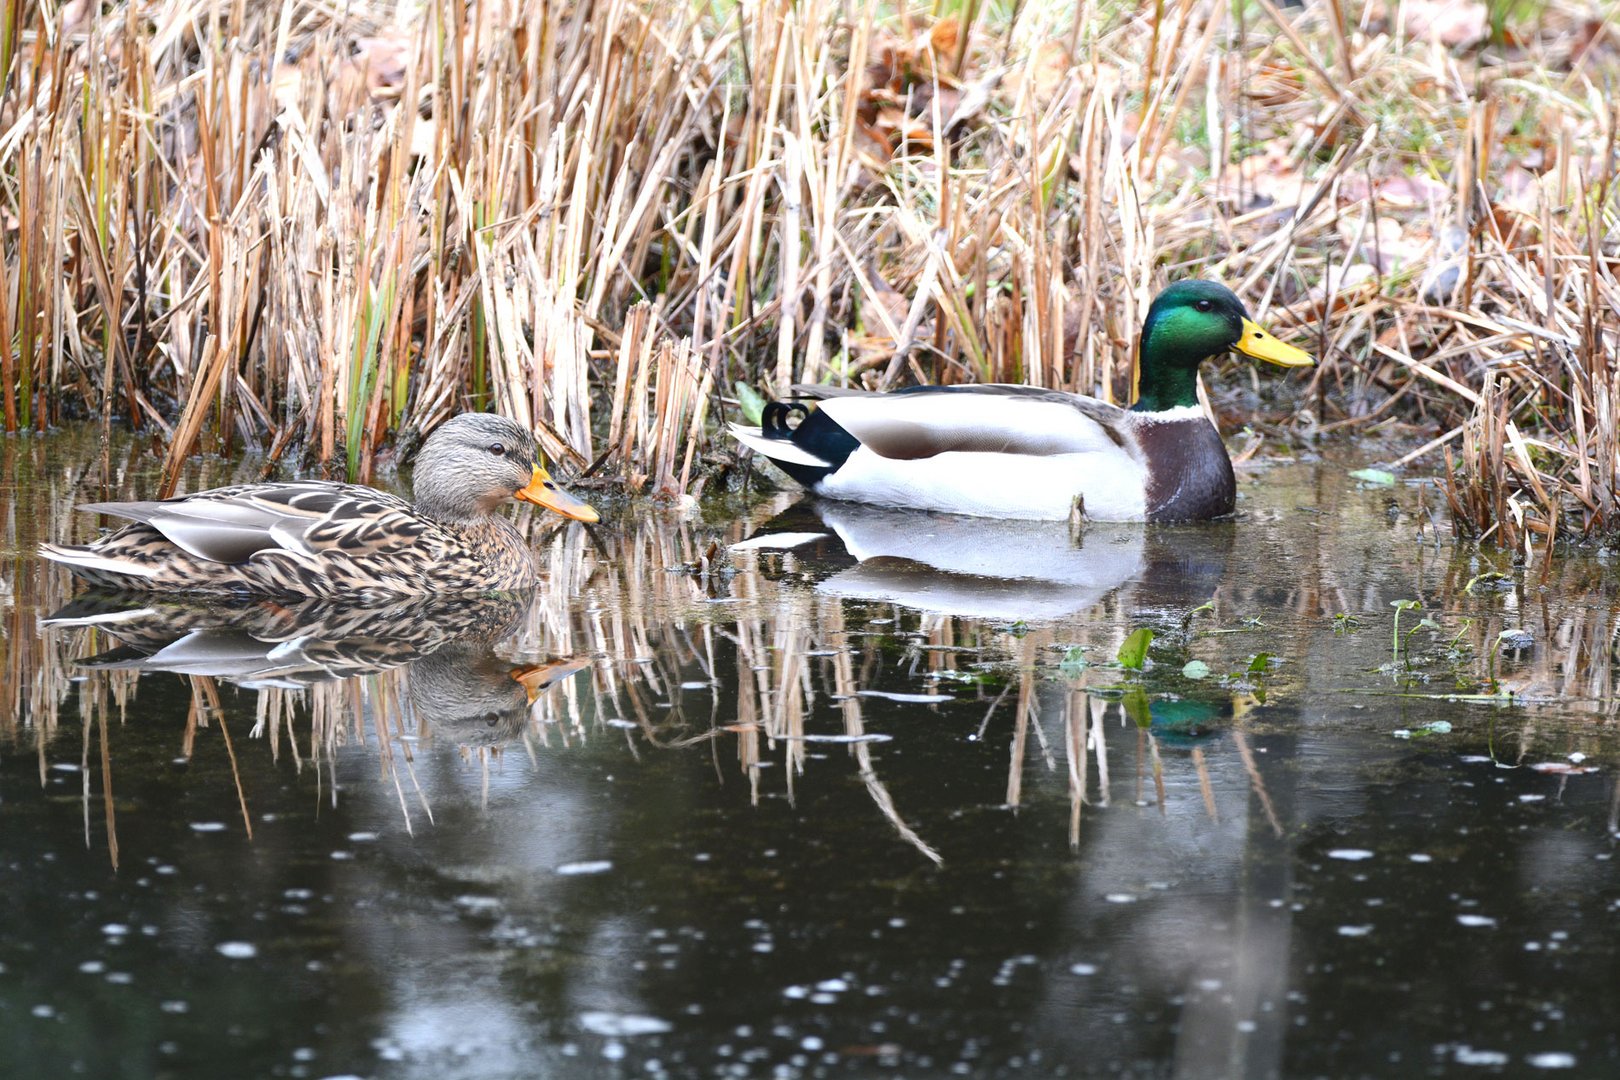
<point x="784" y="790"/>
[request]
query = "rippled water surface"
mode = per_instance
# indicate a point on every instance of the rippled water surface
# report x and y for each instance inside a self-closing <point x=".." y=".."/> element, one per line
<point x="763" y="789"/>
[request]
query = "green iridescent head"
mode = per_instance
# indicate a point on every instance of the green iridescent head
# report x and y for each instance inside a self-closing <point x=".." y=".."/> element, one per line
<point x="1187" y="323"/>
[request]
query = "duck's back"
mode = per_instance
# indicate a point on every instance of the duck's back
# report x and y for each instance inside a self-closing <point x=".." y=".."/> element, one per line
<point x="304" y="538"/>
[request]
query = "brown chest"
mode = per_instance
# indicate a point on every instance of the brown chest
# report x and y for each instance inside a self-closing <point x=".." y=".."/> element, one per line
<point x="1189" y="473"/>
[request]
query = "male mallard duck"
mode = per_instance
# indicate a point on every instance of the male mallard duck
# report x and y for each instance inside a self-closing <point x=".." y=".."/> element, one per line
<point x="317" y="538"/>
<point x="1023" y="452"/>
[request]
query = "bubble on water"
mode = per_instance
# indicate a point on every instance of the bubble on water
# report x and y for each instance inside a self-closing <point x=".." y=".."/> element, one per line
<point x="1551" y="1059"/>
<point x="1475" y="920"/>
<point x="362" y="837"/>
<point x="1418" y="856"/>
<point x="1355" y="931"/>
<point x="237" y="950"/>
<point x="1083" y="969"/>
<point x="1467" y="1055"/>
<point x="113" y="929"/>
<point x="207" y="826"/>
<point x="622" y="1025"/>
<point x="1120" y="898"/>
<point x="906" y="699"/>
<point x="869" y="737"/>
<point x="1350" y="854"/>
<point x="597" y="866"/>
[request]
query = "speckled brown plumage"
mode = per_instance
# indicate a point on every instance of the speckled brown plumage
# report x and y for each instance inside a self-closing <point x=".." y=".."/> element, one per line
<point x="320" y="539"/>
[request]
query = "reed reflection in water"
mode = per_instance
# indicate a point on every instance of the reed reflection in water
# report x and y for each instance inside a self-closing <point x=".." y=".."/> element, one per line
<point x="732" y="632"/>
<point x="795" y="723"/>
<point x="685" y="642"/>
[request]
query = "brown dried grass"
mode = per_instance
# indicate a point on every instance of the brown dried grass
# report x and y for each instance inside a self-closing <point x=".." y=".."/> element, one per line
<point x="282" y="227"/>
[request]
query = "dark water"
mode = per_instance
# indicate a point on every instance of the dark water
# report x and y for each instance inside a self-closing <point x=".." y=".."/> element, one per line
<point x="712" y="846"/>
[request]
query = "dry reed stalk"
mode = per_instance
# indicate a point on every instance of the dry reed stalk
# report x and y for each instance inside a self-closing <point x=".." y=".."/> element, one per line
<point x="308" y="230"/>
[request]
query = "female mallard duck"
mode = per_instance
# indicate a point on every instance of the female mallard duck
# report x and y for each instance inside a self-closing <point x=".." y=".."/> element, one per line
<point x="458" y="681"/>
<point x="1023" y="452"/>
<point x="317" y="538"/>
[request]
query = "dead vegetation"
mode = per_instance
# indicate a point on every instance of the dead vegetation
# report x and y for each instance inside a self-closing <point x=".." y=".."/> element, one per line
<point x="304" y="230"/>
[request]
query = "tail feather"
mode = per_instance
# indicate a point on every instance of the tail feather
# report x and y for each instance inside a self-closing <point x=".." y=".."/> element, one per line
<point x="91" y="562"/>
<point x="781" y="451"/>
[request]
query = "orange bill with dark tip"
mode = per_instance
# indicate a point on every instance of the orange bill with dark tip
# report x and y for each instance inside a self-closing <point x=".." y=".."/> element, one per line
<point x="542" y="490"/>
<point x="537" y="678"/>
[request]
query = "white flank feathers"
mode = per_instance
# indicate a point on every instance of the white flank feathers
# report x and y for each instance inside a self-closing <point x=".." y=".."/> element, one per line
<point x="899" y="425"/>
<point x="1112" y="484"/>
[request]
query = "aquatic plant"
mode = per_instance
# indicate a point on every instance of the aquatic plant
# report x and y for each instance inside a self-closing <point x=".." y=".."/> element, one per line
<point x="1395" y="638"/>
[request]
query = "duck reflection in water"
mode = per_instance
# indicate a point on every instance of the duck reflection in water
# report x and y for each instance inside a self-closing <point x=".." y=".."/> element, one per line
<point x="994" y="569"/>
<point x="1024" y="573"/>
<point x="445" y="646"/>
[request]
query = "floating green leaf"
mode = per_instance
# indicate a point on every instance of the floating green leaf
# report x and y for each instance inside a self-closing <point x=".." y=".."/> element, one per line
<point x="1260" y="664"/>
<point x="1195" y="669"/>
<point x="1374" y="476"/>
<point x="1133" y="653"/>
<point x="1433" y="727"/>
<point x="1074" y="662"/>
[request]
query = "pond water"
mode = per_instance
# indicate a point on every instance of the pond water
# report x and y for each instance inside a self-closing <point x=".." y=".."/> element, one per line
<point x="766" y="789"/>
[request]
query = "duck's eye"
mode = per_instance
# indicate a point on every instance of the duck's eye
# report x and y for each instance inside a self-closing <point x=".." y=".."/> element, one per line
<point x="498" y="449"/>
<point x="1205" y="305"/>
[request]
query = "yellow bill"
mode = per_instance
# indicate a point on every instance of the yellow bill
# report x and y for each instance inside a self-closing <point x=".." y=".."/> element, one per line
<point x="1257" y="343"/>
<point x="542" y="490"/>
